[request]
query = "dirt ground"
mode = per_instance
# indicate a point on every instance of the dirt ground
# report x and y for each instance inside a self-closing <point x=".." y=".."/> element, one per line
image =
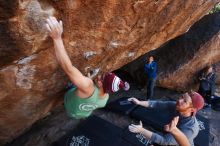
<point x="57" y="124"/>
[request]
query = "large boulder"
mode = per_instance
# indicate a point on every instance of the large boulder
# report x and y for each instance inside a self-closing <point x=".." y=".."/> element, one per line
<point x="99" y="35"/>
<point x="181" y="59"/>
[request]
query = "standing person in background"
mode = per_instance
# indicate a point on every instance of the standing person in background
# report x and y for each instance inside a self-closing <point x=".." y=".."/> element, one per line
<point x="87" y="96"/>
<point x="207" y="84"/>
<point x="150" y="68"/>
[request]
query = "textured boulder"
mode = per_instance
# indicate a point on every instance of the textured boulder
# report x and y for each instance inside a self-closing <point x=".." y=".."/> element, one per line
<point x="180" y="60"/>
<point x="98" y="35"/>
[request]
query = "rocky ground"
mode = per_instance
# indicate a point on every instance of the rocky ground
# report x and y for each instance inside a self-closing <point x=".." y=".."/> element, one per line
<point x="57" y="124"/>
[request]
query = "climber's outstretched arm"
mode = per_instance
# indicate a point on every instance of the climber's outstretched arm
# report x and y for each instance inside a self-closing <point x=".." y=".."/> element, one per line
<point x="82" y="82"/>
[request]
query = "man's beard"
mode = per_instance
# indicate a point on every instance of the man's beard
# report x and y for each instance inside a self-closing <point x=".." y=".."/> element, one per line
<point x="181" y="110"/>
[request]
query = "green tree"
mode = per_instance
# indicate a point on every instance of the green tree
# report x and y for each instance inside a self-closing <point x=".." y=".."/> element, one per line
<point x="215" y="9"/>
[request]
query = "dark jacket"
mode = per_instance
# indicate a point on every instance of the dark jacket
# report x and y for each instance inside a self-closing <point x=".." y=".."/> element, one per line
<point x="207" y="83"/>
<point x="151" y="69"/>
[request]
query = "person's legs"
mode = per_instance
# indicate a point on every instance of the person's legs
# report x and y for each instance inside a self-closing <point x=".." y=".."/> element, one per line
<point x="150" y="87"/>
<point x="206" y="96"/>
<point x="203" y="93"/>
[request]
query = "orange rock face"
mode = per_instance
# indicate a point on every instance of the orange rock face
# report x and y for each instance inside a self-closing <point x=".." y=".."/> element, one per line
<point x="98" y="34"/>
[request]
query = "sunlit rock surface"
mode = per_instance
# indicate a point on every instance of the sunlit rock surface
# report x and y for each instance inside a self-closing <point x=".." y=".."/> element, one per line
<point x="98" y="34"/>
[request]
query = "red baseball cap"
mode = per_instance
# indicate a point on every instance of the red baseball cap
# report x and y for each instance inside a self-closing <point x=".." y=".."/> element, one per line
<point x="197" y="101"/>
